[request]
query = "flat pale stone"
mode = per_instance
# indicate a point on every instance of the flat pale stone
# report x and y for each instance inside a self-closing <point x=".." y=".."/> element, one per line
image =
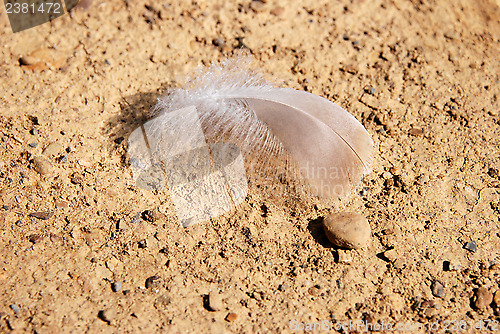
<point x="348" y="230"/>
<point x="215" y="301"/>
<point x="52" y="149"/>
<point x="42" y="165"/>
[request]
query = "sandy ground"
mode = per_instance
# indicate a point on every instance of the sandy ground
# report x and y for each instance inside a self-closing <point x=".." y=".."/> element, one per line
<point x="422" y="76"/>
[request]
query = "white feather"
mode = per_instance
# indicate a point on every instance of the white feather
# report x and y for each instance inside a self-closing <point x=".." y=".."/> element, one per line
<point x="330" y="148"/>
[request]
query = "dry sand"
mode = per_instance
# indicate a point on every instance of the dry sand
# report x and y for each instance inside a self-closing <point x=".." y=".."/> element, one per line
<point x="422" y="76"/>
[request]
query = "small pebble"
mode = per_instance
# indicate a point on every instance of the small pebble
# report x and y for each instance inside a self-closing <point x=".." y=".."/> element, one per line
<point x="451" y="266"/>
<point x="230" y="317"/>
<point x="28" y="60"/>
<point x="277" y="11"/>
<point x="437" y="289"/>
<point x="106" y="316"/>
<point x="62" y="159"/>
<point x="119" y="140"/>
<point x="314" y="290"/>
<point x="121" y="225"/>
<point x="257" y="6"/>
<point x="57" y="240"/>
<point x="387" y="175"/>
<point x="215" y="301"/>
<point x="42" y="215"/>
<point x="370" y="90"/>
<point x="395" y="170"/>
<point x="349" y="230"/>
<point x="495" y="267"/>
<point x="388" y="231"/>
<point x="350" y="69"/>
<point x="76" y="179"/>
<point x="116" y="286"/>
<point x="427" y="304"/>
<point x="344" y="256"/>
<point x="52" y="149"/>
<point x="496" y="302"/>
<point x="471" y="246"/>
<point x="42" y="165"/>
<point x="391" y="255"/>
<point x="163" y="302"/>
<point x="482" y="298"/>
<point x="33" y="145"/>
<point x="143" y="244"/>
<point x="415" y="132"/>
<point x="35" y="238"/>
<point x="399" y="263"/>
<point x="152" y="282"/>
<point x="60" y="204"/>
<point x="282" y="287"/>
<point x="136" y="219"/>
<point x="493" y="173"/>
<point x="15" y="308"/>
<point x="218" y="42"/>
<point x="150" y="215"/>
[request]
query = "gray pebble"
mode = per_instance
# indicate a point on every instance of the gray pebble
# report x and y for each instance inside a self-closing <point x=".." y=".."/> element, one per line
<point x="15" y="308"/>
<point x="215" y="301"/>
<point x="136" y="219"/>
<point x="282" y="287"/>
<point x="42" y="165"/>
<point x="33" y="145"/>
<point x="116" y="286"/>
<point x="437" y="289"/>
<point x="471" y="246"/>
<point x="370" y="90"/>
<point x="349" y="230"/>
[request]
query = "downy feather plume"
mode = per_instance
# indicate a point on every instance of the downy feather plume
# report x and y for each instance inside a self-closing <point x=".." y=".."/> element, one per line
<point x="328" y="147"/>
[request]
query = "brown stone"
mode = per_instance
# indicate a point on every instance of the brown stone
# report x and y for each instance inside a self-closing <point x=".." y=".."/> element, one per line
<point x="348" y="230"/>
